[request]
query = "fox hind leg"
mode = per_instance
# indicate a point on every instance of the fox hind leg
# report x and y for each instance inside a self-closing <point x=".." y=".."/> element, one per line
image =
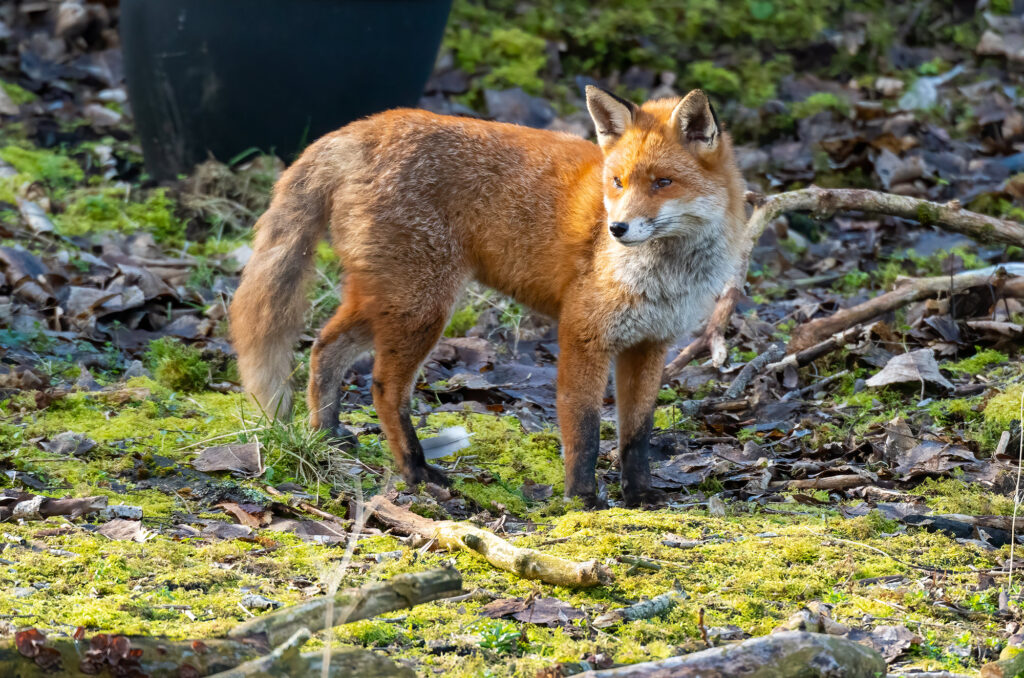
<point x="341" y="341"/>
<point x="402" y="341"/>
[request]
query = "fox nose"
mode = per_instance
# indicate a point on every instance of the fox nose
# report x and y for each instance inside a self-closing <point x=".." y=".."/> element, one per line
<point x="618" y="228"/>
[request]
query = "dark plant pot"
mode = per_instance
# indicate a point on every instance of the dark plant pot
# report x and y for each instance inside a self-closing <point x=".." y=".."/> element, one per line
<point x="228" y="76"/>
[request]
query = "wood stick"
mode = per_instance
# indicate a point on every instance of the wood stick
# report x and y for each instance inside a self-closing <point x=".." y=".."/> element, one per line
<point x="907" y="290"/>
<point x="645" y="609"/>
<point x="397" y="593"/>
<point x="809" y="355"/>
<point x="822" y="203"/>
<point x="841" y="482"/>
<point x="793" y="654"/>
<point x="753" y="367"/>
<point x="464" y="536"/>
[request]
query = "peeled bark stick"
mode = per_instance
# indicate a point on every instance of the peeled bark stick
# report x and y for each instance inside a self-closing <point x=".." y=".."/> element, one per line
<point x="822" y="203"/>
<point x="399" y="592"/>
<point x="463" y="536"/>
<point x="645" y="609"/>
<point x="791" y="654"/>
<point x="907" y="290"/>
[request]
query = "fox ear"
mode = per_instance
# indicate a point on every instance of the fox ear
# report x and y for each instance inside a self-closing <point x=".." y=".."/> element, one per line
<point x="696" y="121"/>
<point x="612" y="115"/>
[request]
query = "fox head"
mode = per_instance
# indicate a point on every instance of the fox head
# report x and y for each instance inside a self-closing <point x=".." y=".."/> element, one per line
<point x="667" y="166"/>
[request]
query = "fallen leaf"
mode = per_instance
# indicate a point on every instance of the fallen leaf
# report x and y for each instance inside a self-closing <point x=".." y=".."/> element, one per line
<point x="503" y="607"/>
<point x="932" y="457"/>
<point x="547" y="611"/>
<point x="535" y="491"/>
<point x="917" y="366"/>
<point x="69" y="444"/>
<point x="250" y="515"/>
<point x="120" y="529"/>
<point x="243" y="459"/>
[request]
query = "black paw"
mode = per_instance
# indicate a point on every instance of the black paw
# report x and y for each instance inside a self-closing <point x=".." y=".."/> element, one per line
<point x="593" y="502"/>
<point x="342" y="437"/>
<point x="426" y="474"/>
<point x="646" y="497"/>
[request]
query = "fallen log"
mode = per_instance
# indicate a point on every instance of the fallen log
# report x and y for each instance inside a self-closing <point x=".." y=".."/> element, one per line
<point x="397" y="593"/>
<point x="36" y="656"/>
<point x="1004" y="668"/>
<point x="823" y="203"/>
<point x="464" y="536"/>
<point x="791" y="654"/>
<point x="286" y="660"/>
<point x="249" y="650"/>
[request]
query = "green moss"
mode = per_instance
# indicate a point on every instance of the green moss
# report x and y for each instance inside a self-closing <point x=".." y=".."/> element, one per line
<point x="977" y="363"/>
<point x="818" y="102"/>
<point x="36" y="164"/>
<point x="953" y="495"/>
<point x="105" y="209"/>
<point x="177" y="366"/>
<point x="1003" y="410"/>
<point x="462" y="320"/>
<point x="16" y="93"/>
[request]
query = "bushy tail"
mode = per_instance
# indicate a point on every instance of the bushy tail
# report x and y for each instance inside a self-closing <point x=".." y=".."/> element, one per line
<point x="268" y="308"/>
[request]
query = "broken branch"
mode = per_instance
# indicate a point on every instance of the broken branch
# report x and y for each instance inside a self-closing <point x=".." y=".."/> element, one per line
<point x="397" y="593"/>
<point x="907" y="290"/>
<point x="463" y="536"/>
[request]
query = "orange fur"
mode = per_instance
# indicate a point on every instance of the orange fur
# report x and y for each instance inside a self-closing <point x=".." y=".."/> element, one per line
<point x="416" y="204"/>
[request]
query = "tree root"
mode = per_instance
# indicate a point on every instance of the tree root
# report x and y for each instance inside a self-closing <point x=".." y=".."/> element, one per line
<point x="463" y="536"/>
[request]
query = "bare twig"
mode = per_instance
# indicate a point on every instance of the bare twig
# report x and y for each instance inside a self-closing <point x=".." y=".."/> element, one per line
<point x="774" y="353"/>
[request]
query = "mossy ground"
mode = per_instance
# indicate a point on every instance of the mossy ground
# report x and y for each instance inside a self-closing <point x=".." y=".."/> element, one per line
<point x="757" y="566"/>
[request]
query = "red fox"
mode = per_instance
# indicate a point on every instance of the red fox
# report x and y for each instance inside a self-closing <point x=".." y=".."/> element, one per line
<point x="625" y="243"/>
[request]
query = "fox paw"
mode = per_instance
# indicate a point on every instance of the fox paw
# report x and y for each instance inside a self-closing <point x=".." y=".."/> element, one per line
<point x="645" y="497"/>
<point x="593" y="502"/>
<point x="427" y="474"/>
<point x="342" y="437"/>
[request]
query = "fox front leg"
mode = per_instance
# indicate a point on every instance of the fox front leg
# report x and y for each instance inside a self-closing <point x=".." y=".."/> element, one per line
<point x="582" y="378"/>
<point x="638" y="372"/>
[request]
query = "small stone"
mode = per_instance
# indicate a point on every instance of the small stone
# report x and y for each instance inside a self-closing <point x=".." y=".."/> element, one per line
<point x="23" y="591"/>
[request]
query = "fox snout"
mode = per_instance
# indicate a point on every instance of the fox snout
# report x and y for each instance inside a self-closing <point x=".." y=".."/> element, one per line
<point x="631" y="232"/>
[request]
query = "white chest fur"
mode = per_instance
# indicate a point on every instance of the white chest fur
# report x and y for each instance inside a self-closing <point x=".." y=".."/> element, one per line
<point x="669" y="285"/>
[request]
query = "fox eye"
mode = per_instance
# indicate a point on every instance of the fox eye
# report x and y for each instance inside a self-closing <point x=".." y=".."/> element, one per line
<point x="617" y="182"/>
<point x="662" y="183"/>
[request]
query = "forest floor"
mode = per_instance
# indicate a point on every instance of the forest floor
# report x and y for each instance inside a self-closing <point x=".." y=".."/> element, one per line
<point x="117" y="381"/>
